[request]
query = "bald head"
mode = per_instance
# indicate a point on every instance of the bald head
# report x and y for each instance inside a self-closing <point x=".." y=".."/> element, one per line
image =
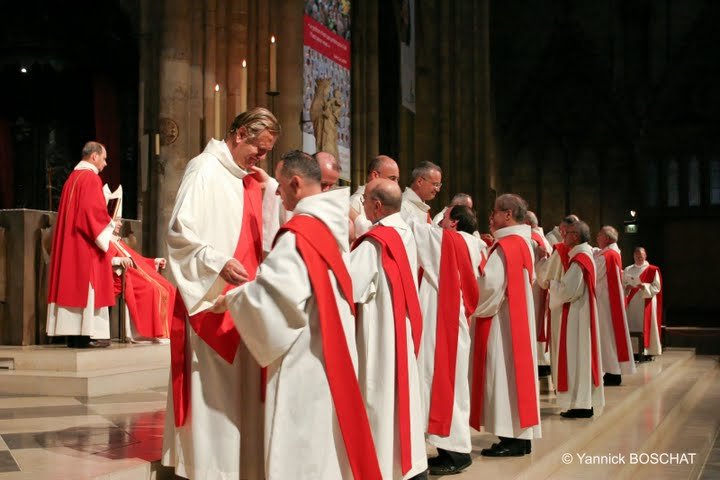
<point x="383" y="197"/>
<point x="382" y="166"/>
<point x="329" y="169"/>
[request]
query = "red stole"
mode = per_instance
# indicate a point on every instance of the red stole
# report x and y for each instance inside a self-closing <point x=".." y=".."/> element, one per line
<point x="321" y="254"/>
<point x="647" y="276"/>
<point x="537" y="238"/>
<point x="613" y="267"/>
<point x="405" y="302"/>
<point x="148" y="295"/>
<point x="76" y="260"/>
<point x="457" y="281"/>
<point x="217" y="330"/>
<point x="517" y="259"/>
<point x="586" y="265"/>
<point x="542" y="322"/>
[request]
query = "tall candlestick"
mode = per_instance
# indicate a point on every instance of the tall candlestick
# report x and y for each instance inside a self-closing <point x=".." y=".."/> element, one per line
<point x="273" y="65"/>
<point x="243" y="88"/>
<point x="217" y="113"/>
<point x="157" y="144"/>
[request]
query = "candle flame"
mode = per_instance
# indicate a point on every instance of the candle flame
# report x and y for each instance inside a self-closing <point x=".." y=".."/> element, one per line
<point x="244" y="64"/>
<point x="217" y="87"/>
<point x="272" y="39"/>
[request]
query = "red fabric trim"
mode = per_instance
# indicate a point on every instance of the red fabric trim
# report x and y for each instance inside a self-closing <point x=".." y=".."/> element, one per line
<point x="588" y="270"/>
<point x="517" y="259"/>
<point x="613" y="268"/>
<point x="217" y="330"/>
<point x="456" y="277"/>
<point x="405" y="303"/>
<point x="320" y="252"/>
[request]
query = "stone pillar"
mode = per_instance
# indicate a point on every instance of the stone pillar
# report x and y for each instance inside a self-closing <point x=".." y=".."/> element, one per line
<point x="175" y="94"/>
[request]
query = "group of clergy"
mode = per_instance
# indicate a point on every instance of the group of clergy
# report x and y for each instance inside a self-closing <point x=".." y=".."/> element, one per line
<point x="318" y="335"/>
<point x="90" y="266"/>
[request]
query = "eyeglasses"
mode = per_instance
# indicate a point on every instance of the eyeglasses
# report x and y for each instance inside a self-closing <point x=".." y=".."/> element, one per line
<point x="434" y="184"/>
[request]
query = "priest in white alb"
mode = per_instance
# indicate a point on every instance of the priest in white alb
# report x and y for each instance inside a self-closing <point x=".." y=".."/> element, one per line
<point x="617" y="357"/>
<point x="505" y="394"/>
<point x="215" y="241"/>
<point x="296" y="318"/>
<point x="579" y="366"/>
<point x="643" y="288"/>
<point x="425" y="183"/>
<point x="449" y="258"/>
<point x="381" y="166"/>
<point x="383" y="265"/>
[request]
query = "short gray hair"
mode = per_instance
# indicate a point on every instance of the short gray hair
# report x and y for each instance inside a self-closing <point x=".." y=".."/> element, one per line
<point x="571" y="219"/>
<point x="255" y="121"/>
<point x="531" y="219"/>
<point x="296" y="162"/>
<point x="461" y="199"/>
<point x="583" y="231"/>
<point x="423" y="168"/>
<point x="610" y="232"/>
<point x="92" y="147"/>
<point x="515" y="203"/>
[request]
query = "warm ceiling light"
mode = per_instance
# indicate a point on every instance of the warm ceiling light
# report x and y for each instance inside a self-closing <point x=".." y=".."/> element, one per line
<point x="23" y="70"/>
<point x="633" y="213"/>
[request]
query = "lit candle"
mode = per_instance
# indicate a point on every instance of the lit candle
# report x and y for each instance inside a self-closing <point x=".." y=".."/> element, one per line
<point x="217" y="113"/>
<point x="273" y="65"/>
<point x="157" y="144"/>
<point x="243" y="88"/>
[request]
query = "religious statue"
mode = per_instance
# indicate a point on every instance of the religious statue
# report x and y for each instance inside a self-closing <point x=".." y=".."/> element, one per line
<point x="317" y="107"/>
<point x="331" y="119"/>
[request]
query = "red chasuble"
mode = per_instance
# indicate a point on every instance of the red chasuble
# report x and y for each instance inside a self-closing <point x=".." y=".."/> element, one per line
<point x="586" y="265"/>
<point x="405" y="302"/>
<point x="647" y="276"/>
<point x="457" y="282"/>
<point x="319" y="250"/>
<point x="517" y="259"/>
<point x="542" y="324"/>
<point x="150" y="298"/>
<point x="217" y="330"/>
<point x="564" y="253"/>
<point x="613" y="268"/>
<point x="76" y="260"/>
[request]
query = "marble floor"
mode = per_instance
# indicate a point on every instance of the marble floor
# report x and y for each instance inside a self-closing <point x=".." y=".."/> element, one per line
<point x="672" y="405"/>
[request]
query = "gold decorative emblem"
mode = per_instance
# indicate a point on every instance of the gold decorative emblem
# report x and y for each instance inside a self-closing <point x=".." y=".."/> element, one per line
<point x="169" y="131"/>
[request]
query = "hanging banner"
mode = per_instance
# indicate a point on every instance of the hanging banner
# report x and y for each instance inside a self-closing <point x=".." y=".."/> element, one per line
<point x="326" y="80"/>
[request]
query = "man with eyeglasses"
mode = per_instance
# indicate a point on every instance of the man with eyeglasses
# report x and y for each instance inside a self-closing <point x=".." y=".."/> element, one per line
<point x="576" y="348"/>
<point x="381" y="166"/>
<point x="425" y="183"/>
<point x="505" y="397"/>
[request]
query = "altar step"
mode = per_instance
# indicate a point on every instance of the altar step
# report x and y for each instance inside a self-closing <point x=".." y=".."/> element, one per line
<point x="672" y="405"/>
<point x="61" y="371"/>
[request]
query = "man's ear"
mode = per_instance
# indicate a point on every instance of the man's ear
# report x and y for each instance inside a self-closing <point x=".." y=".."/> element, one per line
<point x="296" y="182"/>
<point x="241" y="134"/>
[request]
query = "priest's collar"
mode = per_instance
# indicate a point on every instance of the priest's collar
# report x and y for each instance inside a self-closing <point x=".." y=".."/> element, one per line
<point x="410" y="195"/>
<point x="393" y="220"/>
<point x="522" y="230"/>
<point x="331" y="208"/>
<point x="85" y="165"/>
<point x="581" y="248"/>
<point x="220" y="150"/>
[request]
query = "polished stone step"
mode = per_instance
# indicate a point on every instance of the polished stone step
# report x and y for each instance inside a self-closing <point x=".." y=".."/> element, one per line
<point x="63" y="359"/>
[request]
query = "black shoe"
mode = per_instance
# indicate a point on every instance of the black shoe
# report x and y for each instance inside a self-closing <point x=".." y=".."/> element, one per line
<point x="578" y="413"/>
<point x="71" y="341"/>
<point x="612" y="380"/>
<point x="513" y="447"/>
<point x="98" y="344"/>
<point x="544" y="371"/>
<point x="441" y="457"/>
<point x="81" y="341"/>
<point x="420" y="476"/>
<point x="451" y="463"/>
